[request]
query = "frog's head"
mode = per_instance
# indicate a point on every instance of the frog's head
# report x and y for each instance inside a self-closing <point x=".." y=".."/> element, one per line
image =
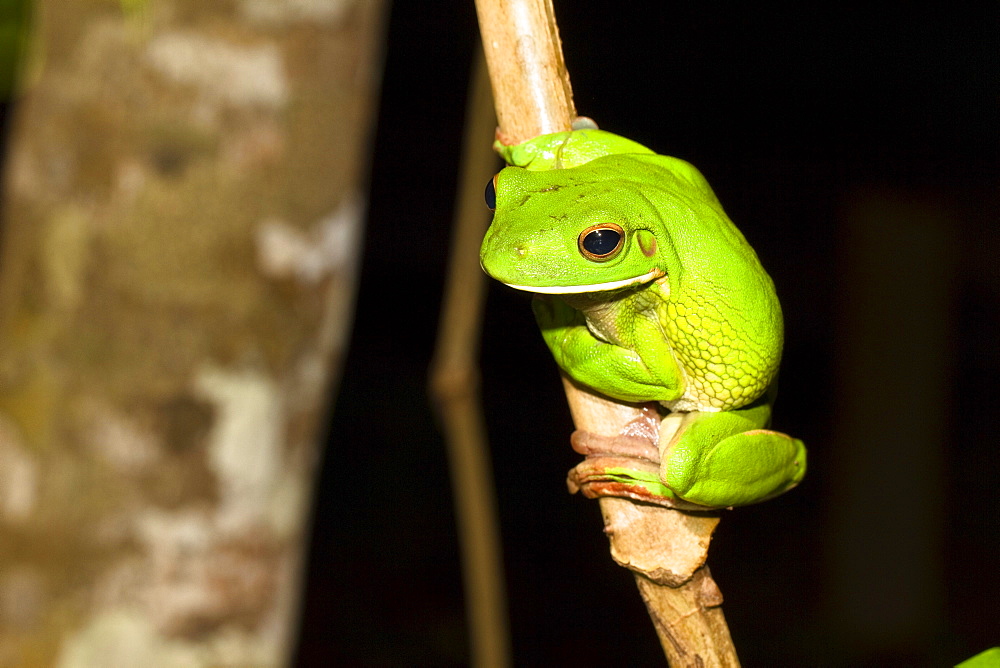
<point x="572" y="230"/>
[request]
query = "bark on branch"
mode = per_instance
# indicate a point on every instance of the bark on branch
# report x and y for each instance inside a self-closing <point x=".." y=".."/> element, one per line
<point x="664" y="547"/>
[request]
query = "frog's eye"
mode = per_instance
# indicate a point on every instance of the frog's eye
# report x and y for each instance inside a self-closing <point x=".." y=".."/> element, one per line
<point x="601" y="242"/>
<point x="491" y="193"/>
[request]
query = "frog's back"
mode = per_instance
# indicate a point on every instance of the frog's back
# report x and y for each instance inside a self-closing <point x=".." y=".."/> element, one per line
<point x="719" y="309"/>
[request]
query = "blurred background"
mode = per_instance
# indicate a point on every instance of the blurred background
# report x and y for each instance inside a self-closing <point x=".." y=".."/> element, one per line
<point x="857" y="151"/>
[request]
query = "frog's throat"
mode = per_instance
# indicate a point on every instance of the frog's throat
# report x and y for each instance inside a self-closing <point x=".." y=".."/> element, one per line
<point x="594" y="287"/>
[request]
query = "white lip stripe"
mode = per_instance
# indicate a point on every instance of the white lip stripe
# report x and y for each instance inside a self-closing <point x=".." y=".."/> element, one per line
<point x="596" y="287"/>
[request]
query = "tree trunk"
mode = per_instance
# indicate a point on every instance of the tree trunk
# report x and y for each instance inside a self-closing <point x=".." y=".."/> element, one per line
<point x="180" y="234"/>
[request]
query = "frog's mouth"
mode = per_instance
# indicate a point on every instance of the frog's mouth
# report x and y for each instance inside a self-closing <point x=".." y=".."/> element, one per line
<point x="648" y="277"/>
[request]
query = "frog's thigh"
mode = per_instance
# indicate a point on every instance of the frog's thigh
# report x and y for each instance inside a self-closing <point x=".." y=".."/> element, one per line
<point x="724" y="459"/>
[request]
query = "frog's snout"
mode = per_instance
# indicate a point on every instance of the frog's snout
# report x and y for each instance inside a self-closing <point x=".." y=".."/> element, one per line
<point x="511" y="252"/>
<point x="510" y="262"/>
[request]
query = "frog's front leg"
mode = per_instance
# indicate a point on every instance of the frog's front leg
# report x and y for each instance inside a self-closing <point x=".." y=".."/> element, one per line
<point x="613" y="370"/>
<point x="728" y="458"/>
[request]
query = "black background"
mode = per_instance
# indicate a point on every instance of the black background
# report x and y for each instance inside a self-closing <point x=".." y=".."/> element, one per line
<point x="794" y="114"/>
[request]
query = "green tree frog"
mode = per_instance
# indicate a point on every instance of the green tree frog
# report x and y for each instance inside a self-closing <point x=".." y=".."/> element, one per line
<point x="647" y="292"/>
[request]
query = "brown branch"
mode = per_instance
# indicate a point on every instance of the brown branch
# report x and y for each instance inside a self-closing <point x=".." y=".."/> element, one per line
<point x="666" y="550"/>
<point x="531" y="88"/>
<point x="664" y="547"/>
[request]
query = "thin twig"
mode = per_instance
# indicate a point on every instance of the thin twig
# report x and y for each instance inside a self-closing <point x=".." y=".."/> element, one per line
<point x="665" y="547"/>
<point x="455" y="386"/>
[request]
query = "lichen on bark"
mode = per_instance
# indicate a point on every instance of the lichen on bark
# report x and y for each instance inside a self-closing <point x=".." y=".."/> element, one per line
<point x="162" y="384"/>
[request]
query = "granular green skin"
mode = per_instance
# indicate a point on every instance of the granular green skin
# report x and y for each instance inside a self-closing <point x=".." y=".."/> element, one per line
<point x="725" y="370"/>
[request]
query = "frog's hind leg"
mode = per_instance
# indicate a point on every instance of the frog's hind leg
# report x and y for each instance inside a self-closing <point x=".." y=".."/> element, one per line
<point x="727" y="459"/>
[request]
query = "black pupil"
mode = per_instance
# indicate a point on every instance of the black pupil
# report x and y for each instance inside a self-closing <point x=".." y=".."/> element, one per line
<point x="491" y="195"/>
<point x="602" y="241"/>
